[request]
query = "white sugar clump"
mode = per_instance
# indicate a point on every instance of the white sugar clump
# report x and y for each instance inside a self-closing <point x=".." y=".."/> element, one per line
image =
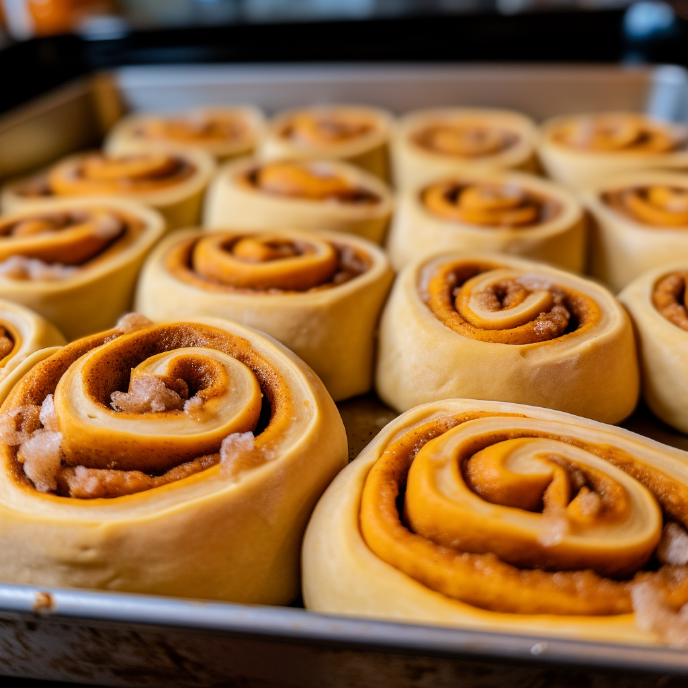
<point x="673" y="547"/>
<point x="554" y="526"/>
<point x="42" y="456"/>
<point x="590" y="504"/>
<point x="235" y="447"/>
<point x="133" y="322"/>
<point x="108" y="227"/>
<point x="23" y="268"/>
<point x="26" y="418"/>
<point x="86" y="481"/>
<point x="146" y="394"/>
<point x="654" y="615"/>
<point x="193" y="407"/>
<point x="48" y="417"/>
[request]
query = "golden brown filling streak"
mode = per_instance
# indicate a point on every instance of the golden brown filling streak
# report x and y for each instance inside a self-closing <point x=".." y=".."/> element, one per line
<point x="465" y="140"/>
<point x="617" y="134"/>
<point x="79" y="238"/>
<point x="202" y="128"/>
<point x="307" y="181"/>
<point x="654" y="206"/>
<point x="489" y="205"/>
<point x="96" y="174"/>
<point x="318" y="130"/>
<point x="490" y="303"/>
<point x="669" y="298"/>
<point x="265" y="263"/>
<point x="491" y="510"/>
<point x="107" y="458"/>
<point x="10" y="342"/>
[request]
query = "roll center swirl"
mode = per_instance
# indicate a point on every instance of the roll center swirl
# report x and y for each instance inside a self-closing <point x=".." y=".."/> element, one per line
<point x="465" y="140"/>
<point x="655" y="206"/>
<point x="322" y="129"/>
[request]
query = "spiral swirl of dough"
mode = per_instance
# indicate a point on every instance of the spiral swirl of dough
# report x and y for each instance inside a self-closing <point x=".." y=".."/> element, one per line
<point x="489" y="205"/>
<point x="465" y="138"/>
<point x="653" y="206"/>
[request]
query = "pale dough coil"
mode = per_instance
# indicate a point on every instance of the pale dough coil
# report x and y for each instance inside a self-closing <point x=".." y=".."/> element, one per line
<point x="312" y="195"/>
<point x="582" y="150"/>
<point x="500" y="517"/>
<point x="75" y="261"/>
<point x="657" y="305"/>
<point x="430" y="144"/>
<point x="488" y="326"/>
<point x="640" y="223"/>
<point x="353" y="133"/>
<point x="172" y="182"/>
<point x="204" y="492"/>
<point x="223" y="132"/>
<point x="502" y="212"/>
<point x="320" y="295"/>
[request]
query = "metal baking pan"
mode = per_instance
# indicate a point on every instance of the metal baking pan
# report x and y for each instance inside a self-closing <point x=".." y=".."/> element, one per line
<point x="134" y="640"/>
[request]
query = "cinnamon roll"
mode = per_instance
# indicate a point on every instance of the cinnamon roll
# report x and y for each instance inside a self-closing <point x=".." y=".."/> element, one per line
<point x="430" y="144"/>
<point x="223" y="132"/>
<point x="488" y="326"/>
<point x="178" y="459"/>
<point x="172" y="182"/>
<point x="502" y="212"/>
<point x="358" y="135"/>
<point x="641" y="222"/>
<point x="75" y="261"/>
<point x="580" y="150"/>
<point x="312" y="195"/>
<point x="319" y="294"/>
<point x="657" y="304"/>
<point x="501" y="517"/>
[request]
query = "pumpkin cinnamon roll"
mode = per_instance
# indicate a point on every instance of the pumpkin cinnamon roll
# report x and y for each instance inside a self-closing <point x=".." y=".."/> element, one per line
<point x="502" y="212"/>
<point x="319" y="294"/>
<point x="179" y="458"/>
<point x="310" y="195"/>
<point x="580" y="150"/>
<point x="172" y="182"/>
<point x="223" y="132"/>
<point x="641" y="222"/>
<point x="488" y="326"/>
<point x="500" y="517"/>
<point x="75" y="261"/>
<point x="358" y="135"/>
<point x="430" y="144"/>
<point x="657" y="304"/>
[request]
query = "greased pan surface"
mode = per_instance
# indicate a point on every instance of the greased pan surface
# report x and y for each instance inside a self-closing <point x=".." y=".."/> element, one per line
<point x="125" y="640"/>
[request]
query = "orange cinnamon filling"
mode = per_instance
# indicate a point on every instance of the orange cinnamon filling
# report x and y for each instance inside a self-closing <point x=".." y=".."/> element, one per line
<point x="490" y="303"/>
<point x="617" y="133"/>
<point x="10" y="342"/>
<point x="465" y="139"/>
<point x="141" y="407"/>
<point x="259" y="263"/>
<point x="194" y="129"/>
<point x="669" y="298"/>
<point x="308" y="181"/>
<point x="489" y="205"/>
<point x="654" y="206"/>
<point x="518" y="515"/>
<point x="94" y="174"/>
<point x="79" y="237"/>
<point x="323" y="129"/>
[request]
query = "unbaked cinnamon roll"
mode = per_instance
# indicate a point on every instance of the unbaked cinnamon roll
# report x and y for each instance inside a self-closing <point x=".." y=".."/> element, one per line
<point x="358" y="135"/>
<point x="75" y="261"/>
<point x="501" y="517"/>
<point x="172" y="182"/>
<point x="488" y="326"/>
<point x="657" y="304"/>
<point x="311" y="195"/>
<point x="179" y="459"/>
<point x="502" y="212"/>
<point x="319" y="294"/>
<point x="430" y="144"/>
<point x="641" y="222"/>
<point x="223" y="132"/>
<point x="580" y="150"/>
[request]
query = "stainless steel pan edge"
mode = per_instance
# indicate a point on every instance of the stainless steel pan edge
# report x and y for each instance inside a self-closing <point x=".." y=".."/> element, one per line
<point x="298" y="626"/>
